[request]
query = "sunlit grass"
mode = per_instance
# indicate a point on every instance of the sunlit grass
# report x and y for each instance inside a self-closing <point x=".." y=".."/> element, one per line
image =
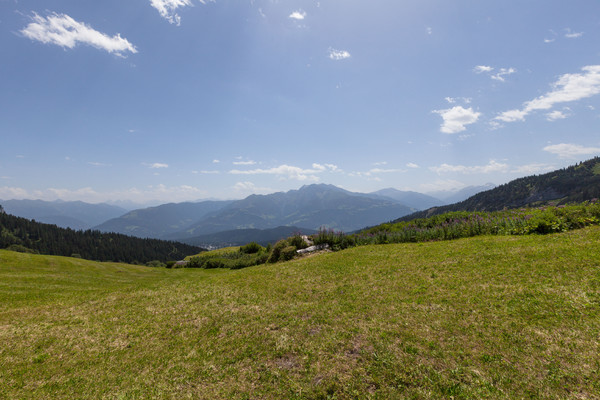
<point x="486" y="317"/>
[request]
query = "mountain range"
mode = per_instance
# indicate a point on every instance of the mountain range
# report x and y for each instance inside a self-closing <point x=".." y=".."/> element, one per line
<point x="260" y="218"/>
<point x="310" y="207"/>
<point x="266" y="218"/>
<point x="66" y="214"/>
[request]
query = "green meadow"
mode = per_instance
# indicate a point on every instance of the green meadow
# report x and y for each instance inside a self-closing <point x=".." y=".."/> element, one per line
<point x="496" y="317"/>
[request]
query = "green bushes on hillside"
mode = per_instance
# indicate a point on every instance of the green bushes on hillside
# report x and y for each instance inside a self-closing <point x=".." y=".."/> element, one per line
<point x="452" y="225"/>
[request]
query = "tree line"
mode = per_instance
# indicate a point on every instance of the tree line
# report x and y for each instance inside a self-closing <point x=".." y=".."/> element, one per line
<point x="28" y="235"/>
<point x="574" y="184"/>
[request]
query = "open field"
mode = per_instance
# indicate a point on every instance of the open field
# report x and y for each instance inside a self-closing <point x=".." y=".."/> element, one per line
<point x="485" y="317"/>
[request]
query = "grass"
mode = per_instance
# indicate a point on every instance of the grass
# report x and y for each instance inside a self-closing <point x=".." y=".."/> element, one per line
<point x="484" y="317"/>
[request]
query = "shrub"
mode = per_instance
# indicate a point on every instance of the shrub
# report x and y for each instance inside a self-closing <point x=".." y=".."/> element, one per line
<point x="298" y="242"/>
<point x="251" y="248"/>
<point x="287" y="253"/>
<point x="21" y="249"/>
<point x="276" y="251"/>
<point x="155" y="264"/>
<point x="215" y="263"/>
<point x="195" y="262"/>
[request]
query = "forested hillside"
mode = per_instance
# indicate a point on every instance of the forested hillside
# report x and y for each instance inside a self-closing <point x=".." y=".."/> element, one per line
<point x="28" y="235"/>
<point x="574" y="184"/>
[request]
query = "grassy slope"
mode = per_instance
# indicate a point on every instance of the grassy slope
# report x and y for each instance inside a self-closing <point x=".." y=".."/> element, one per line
<point x="487" y="317"/>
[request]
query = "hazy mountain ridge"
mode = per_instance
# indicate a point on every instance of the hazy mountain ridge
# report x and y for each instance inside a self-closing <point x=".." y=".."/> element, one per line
<point x="66" y="214"/>
<point x="577" y="183"/>
<point x="163" y="220"/>
<point x="310" y="207"/>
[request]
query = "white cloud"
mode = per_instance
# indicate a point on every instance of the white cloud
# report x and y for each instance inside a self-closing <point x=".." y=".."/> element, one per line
<point x="204" y="172"/>
<point x="440" y="186"/>
<point x="216" y="161"/>
<point x="492" y="166"/>
<point x="167" y="8"/>
<point x="457" y="118"/>
<point x="284" y="172"/>
<point x="502" y="73"/>
<point x="98" y="164"/>
<point x="64" y="31"/>
<point x="569" y="150"/>
<point x="454" y="100"/>
<point x="158" y="193"/>
<point x="338" y="54"/>
<point x="534" y="168"/>
<point x="556" y="115"/>
<point x="549" y="40"/>
<point x="326" y="167"/>
<point x="157" y="165"/>
<point x="568" y="88"/>
<point x="298" y="15"/>
<point x="572" y="35"/>
<point x="412" y="165"/>
<point x="249" y="187"/>
<point x="375" y="171"/>
<point x="244" y="162"/>
<point x="429" y="30"/>
<point x="482" y="68"/>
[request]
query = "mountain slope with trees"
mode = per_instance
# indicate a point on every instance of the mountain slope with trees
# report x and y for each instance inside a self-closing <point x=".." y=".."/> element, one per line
<point x="574" y="184"/>
<point x="158" y="222"/>
<point x="25" y="235"/>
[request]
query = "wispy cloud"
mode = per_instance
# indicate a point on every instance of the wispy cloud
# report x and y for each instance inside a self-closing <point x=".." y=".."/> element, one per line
<point x="99" y="164"/>
<point x="572" y="35"/>
<point x="156" y="165"/>
<point x="412" y="165"/>
<point x="373" y="172"/>
<point x="249" y="187"/>
<point x="479" y="69"/>
<point x="337" y="55"/>
<point x="205" y="172"/>
<point x="533" y="168"/>
<point x="284" y="172"/>
<point x="498" y="76"/>
<point x="454" y="100"/>
<point x="64" y="31"/>
<point x="457" y="118"/>
<point x="569" y="150"/>
<point x="492" y="166"/>
<point x="144" y="195"/>
<point x="556" y="115"/>
<point x="568" y="88"/>
<point x="502" y="73"/>
<point x="298" y="15"/>
<point x="167" y="9"/>
<point x="244" y="162"/>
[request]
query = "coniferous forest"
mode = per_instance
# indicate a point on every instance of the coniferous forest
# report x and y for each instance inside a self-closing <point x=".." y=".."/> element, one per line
<point x="28" y="235"/>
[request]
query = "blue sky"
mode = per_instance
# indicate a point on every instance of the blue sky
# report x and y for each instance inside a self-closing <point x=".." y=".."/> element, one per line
<point x="175" y="100"/>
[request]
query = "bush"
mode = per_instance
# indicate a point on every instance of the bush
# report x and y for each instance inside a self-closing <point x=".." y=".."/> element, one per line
<point x="215" y="263"/>
<point x="21" y="249"/>
<point x="155" y="264"/>
<point x="251" y="248"/>
<point x="298" y="242"/>
<point x="276" y="251"/>
<point x="170" y="264"/>
<point x="287" y="253"/>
